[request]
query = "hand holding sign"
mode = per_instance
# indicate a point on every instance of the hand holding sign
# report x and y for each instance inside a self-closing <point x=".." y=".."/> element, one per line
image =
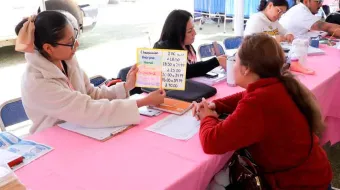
<point x="164" y="69"/>
<point x="131" y="78"/>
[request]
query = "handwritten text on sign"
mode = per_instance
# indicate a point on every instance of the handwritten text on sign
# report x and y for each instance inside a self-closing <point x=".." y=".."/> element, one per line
<point x="161" y="67"/>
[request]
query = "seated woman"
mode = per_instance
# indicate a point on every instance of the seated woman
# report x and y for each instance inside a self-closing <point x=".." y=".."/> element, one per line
<point x="178" y="34"/>
<point x="56" y="89"/>
<point x="276" y="119"/>
<point x="267" y="20"/>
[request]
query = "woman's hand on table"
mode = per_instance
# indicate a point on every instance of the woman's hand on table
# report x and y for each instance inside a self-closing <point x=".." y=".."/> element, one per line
<point x="280" y="38"/>
<point x="197" y="107"/>
<point x="131" y="78"/>
<point x="289" y="38"/>
<point x="222" y="60"/>
<point x="152" y="99"/>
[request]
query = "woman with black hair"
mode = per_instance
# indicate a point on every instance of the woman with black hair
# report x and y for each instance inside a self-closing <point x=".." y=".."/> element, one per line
<point x="179" y="33"/>
<point x="55" y="89"/>
<point x="267" y="20"/>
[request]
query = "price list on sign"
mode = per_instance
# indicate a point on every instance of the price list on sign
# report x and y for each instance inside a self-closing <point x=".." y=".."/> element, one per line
<point x="174" y="64"/>
<point x="161" y="68"/>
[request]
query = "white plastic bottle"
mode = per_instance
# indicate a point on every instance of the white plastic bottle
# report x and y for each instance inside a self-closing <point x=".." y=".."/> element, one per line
<point x="230" y="71"/>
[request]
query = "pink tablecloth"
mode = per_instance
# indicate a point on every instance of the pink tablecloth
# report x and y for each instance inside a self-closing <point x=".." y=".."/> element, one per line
<point x="325" y="85"/>
<point x="135" y="159"/>
<point x="139" y="159"/>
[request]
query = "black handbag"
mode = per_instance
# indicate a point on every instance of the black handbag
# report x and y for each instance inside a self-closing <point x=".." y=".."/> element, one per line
<point x="245" y="174"/>
<point x="194" y="91"/>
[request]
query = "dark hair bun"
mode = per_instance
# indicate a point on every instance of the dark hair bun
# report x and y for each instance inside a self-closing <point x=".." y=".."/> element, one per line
<point x="20" y="25"/>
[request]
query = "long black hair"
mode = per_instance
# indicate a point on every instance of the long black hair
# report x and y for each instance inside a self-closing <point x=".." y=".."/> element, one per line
<point x="174" y="28"/>
<point x="49" y="28"/>
<point x="264" y="4"/>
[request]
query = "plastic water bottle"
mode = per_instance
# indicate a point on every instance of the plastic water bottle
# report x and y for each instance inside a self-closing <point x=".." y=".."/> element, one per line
<point x="300" y="49"/>
<point x="230" y="71"/>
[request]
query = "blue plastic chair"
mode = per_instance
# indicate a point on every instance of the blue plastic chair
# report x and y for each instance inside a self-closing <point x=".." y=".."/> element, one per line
<point x="232" y="42"/>
<point x="291" y="3"/>
<point x="97" y="80"/>
<point x="207" y="50"/>
<point x="12" y="112"/>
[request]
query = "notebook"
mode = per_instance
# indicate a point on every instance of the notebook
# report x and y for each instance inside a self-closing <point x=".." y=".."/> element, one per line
<point x="101" y="134"/>
<point x="11" y="158"/>
<point x="174" y="106"/>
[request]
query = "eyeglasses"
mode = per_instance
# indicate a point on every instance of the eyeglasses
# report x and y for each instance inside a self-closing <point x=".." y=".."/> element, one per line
<point x="318" y="1"/>
<point x="279" y="11"/>
<point x="74" y="41"/>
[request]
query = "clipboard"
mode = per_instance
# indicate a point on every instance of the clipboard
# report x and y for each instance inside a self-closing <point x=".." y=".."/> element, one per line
<point x="100" y="134"/>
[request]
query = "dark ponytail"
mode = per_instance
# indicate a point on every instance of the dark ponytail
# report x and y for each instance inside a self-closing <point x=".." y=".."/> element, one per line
<point x="251" y="53"/>
<point x="49" y="28"/>
<point x="264" y="3"/>
<point x="305" y="101"/>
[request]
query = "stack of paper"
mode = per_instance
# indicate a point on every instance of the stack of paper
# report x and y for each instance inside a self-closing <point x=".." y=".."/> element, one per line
<point x="222" y="76"/>
<point x="101" y="134"/>
<point x="211" y="81"/>
<point x="178" y="127"/>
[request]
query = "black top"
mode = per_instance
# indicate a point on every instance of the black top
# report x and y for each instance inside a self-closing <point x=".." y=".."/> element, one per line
<point x="193" y="70"/>
<point x="65" y="67"/>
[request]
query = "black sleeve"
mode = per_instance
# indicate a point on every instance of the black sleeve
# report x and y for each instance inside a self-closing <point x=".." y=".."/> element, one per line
<point x="193" y="70"/>
<point x="201" y="68"/>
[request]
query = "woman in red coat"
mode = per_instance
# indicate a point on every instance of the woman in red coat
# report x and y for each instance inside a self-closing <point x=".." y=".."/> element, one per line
<point x="276" y="118"/>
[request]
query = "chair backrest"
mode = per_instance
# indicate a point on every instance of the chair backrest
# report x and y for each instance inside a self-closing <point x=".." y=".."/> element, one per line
<point x="97" y="80"/>
<point x="232" y="42"/>
<point x="12" y="112"/>
<point x="326" y="10"/>
<point x="207" y="50"/>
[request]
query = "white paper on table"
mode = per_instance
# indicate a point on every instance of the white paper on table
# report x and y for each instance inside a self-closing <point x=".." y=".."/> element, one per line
<point x="178" y="127"/>
<point x="311" y="50"/>
<point x="315" y="51"/>
<point x="7" y="156"/>
<point x="96" y="133"/>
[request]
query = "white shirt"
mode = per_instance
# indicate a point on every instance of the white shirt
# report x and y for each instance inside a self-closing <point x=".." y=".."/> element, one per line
<point x="298" y="20"/>
<point x="259" y="23"/>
